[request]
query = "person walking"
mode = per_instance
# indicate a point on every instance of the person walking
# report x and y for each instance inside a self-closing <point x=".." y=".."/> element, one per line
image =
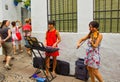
<point x="15" y="40"/>
<point x="6" y="42"/>
<point x="27" y="29"/>
<point x="92" y="59"/>
<point x="52" y="39"/>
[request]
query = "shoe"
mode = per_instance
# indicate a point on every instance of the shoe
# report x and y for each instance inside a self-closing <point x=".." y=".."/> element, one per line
<point x="29" y="53"/>
<point x="4" y="61"/>
<point x="7" y="67"/>
<point x="12" y="58"/>
<point x="10" y="64"/>
<point x="54" y="74"/>
<point x="15" y="53"/>
<point x="21" y="51"/>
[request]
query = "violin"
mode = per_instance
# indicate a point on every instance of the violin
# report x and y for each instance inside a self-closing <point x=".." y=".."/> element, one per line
<point x="93" y="37"/>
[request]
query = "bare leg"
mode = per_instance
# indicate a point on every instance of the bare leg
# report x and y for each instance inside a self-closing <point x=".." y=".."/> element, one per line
<point x="28" y="51"/>
<point x="7" y="65"/>
<point x="20" y="48"/>
<point x="54" y="64"/>
<point x="90" y="70"/>
<point x="8" y="60"/>
<point x="47" y="61"/>
<point x="98" y="75"/>
<point x="14" y="49"/>
<point x="5" y="59"/>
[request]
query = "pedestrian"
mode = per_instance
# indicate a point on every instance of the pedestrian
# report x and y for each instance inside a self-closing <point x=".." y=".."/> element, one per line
<point x="27" y="29"/>
<point x="30" y="21"/>
<point x="0" y="41"/>
<point x="15" y="40"/>
<point x="0" y="24"/>
<point x="52" y="39"/>
<point x="6" y="42"/>
<point x="92" y="59"/>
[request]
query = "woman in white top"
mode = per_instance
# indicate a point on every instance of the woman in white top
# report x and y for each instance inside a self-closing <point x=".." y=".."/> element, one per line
<point x="15" y="41"/>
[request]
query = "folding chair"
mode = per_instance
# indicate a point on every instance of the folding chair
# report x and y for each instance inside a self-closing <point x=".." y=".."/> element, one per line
<point x="34" y="44"/>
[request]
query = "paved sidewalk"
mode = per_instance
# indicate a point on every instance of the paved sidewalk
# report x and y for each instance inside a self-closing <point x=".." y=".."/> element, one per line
<point x="22" y="69"/>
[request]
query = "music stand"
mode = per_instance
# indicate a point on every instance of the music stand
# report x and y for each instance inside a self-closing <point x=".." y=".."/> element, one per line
<point x="34" y="44"/>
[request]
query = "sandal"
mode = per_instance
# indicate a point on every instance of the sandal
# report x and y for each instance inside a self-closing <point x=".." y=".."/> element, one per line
<point x="12" y="58"/>
<point x="21" y="51"/>
<point x="15" y="53"/>
<point x="7" y="67"/>
<point x="10" y="64"/>
<point x="29" y="53"/>
<point x="54" y="74"/>
<point x="4" y="61"/>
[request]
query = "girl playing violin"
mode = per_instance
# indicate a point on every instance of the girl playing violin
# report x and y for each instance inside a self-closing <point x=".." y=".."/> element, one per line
<point x="92" y="59"/>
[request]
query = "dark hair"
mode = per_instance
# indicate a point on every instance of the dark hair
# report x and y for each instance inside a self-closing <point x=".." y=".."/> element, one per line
<point x="3" y="23"/>
<point x="95" y="24"/>
<point x="51" y="22"/>
<point x="13" y="23"/>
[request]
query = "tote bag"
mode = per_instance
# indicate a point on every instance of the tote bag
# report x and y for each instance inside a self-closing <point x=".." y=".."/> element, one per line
<point x="18" y="34"/>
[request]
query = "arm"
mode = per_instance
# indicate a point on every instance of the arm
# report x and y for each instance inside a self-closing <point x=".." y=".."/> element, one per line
<point x="99" y="39"/>
<point x="45" y="42"/>
<point x="9" y="35"/>
<point x="19" y="23"/>
<point x="30" y="28"/>
<point x="81" y="40"/>
<point x="58" y="39"/>
<point x="0" y="41"/>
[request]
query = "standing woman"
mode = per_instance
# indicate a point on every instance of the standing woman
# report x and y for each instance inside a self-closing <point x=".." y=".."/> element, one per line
<point x="6" y="42"/>
<point x="52" y="39"/>
<point x="92" y="59"/>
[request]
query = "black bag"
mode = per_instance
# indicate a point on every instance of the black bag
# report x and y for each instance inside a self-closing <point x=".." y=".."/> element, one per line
<point x="81" y="70"/>
<point x="38" y="62"/>
<point x="63" y="67"/>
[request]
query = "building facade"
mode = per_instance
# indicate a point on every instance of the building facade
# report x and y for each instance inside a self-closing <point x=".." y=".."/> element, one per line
<point x="39" y="19"/>
<point x="12" y="12"/>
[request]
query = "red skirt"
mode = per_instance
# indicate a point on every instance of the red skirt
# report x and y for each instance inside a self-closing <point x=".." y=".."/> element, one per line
<point x="56" y="53"/>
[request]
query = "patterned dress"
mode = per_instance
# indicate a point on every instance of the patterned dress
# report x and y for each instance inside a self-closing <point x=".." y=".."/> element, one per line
<point x="92" y="58"/>
<point x="51" y="38"/>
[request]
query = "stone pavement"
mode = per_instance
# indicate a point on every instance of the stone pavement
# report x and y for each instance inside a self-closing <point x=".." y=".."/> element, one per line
<point x="22" y="69"/>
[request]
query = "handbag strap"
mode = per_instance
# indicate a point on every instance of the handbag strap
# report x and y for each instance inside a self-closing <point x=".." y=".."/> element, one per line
<point x="16" y="29"/>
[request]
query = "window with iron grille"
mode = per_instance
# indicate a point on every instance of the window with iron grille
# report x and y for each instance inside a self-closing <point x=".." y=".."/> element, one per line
<point x="64" y="12"/>
<point x="107" y="13"/>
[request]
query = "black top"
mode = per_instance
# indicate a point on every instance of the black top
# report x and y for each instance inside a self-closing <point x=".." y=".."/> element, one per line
<point x="4" y="33"/>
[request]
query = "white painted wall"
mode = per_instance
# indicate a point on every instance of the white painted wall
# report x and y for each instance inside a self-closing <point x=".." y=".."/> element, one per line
<point x="39" y="15"/>
<point x="1" y="16"/>
<point x="13" y="12"/>
<point x="85" y="14"/>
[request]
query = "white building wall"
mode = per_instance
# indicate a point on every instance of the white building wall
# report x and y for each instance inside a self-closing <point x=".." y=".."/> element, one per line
<point x="85" y="14"/>
<point x="39" y="15"/>
<point x="1" y="16"/>
<point x="13" y="13"/>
